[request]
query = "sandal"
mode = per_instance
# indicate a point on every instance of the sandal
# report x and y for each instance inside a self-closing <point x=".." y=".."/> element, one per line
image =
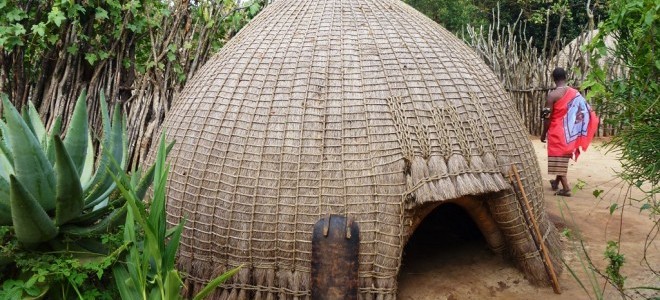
<point x="565" y="193"/>
<point x="554" y="184"/>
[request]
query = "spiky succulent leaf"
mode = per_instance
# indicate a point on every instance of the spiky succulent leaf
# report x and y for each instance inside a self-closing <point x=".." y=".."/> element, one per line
<point x="91" y="217"/>
<point x="31" y="222"/>
<point x="50" y="147"/>
<point x="6" y="165"/>
<point x="115" y="218"/>
<point x="69" y="201"/>
<point x="88" y="166"/>
<point x="75" y="140"/>
<point x="5" y="206"/>
<point x="26" y="119"/>
<point x="6" y="143"/>
<point x="115" y="156"/>
<point x="99" y="183"/>
<point x="36" y="124"/>
<point x="56" y="128"/>
<point x="31" y="166"/>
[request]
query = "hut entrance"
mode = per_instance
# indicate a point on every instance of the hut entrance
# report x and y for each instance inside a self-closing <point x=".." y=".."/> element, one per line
<point x="445" y="232"/>
<point x="442" y="251"/>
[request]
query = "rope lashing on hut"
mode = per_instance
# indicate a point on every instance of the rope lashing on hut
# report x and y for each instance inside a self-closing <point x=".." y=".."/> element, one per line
<point x="361" y="108"/>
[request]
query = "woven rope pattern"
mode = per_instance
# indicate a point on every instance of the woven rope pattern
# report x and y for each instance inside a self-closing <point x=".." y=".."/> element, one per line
<point x="358" y="107"/>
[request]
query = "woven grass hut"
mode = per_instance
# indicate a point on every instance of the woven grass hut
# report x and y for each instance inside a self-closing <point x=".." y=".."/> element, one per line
<point x="363" y="108"/>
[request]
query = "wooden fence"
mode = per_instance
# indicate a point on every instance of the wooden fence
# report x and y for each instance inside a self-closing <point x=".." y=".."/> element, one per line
<point x="525" y="71"/>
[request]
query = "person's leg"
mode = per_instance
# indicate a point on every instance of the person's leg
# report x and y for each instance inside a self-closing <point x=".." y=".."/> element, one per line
<point x="566" y="190"/>
<point x="564" y="182"/>
<point x="554" y="183"/>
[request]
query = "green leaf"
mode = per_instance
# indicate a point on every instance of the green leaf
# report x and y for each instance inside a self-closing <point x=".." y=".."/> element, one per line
<point x="15" y="15"/>
<point x="99" y="183"/>
<point x="109" y="222"/>
<point x="170" y="56"/>
<point x="148" y="178"/>
<point x="254" y="8"/>
<point x="56" y="16"/>
<point x="52" y="39"/>
<point x="613" y="208"/>
<point x="39" y="29"/>
<point x="172" y="246"/>
<point x="5" y="143"/>
<point x="31" y="223"/>
<point x="124" y="283"/>
<point x="152" y="243"/>
<point x="69" y="201"/>
<point x="88" y="166"/>
<point x="103" y="55"/>
<point x="37" y="125"/>
<point x="91" y="58"/>
<point x="54" y="131"/>
<point x="208" y="289"/>
<point x="597" y="193"/>
<point x="6" y="165"/>
<point x="645" y="207"/>
<point x="650" y="17"/>
<point x="173" y="284"/>
<point x="101" y="14"/>
<point x="31" y="165"/>
<point x="157" y="210"/>
<point x="115" y="150"/>
<point x="75" y="140"/>
<point x="73" y="49"/>
<point x="92" y="217"/>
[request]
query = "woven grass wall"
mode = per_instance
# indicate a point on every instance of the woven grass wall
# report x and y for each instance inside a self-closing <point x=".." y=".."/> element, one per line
<point x="362" y="108"/>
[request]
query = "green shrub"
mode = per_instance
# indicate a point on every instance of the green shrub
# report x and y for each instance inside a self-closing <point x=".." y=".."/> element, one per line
<point x="149" y="270"/>
<point x="54" y="205"/>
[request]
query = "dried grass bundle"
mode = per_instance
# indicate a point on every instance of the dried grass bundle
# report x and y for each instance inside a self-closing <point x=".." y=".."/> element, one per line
<point x="363" y="108"/>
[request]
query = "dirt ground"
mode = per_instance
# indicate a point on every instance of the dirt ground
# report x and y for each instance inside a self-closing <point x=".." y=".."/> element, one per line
<point x="465" y="269"/>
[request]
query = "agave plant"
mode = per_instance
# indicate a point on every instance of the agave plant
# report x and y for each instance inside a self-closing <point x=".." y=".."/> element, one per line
<point x="49" y="186"/>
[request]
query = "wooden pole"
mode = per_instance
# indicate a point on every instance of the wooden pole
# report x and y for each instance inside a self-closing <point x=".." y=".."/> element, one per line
<point x="537" y="233"/>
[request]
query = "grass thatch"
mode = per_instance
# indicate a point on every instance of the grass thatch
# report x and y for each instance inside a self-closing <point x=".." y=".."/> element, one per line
<point x="358" y="107"/>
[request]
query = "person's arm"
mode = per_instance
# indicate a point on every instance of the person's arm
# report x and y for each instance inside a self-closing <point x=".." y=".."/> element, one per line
<point x="545" y="115"/>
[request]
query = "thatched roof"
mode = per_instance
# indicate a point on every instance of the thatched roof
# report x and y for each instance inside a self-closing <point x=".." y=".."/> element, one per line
<point x="364" y="108"/>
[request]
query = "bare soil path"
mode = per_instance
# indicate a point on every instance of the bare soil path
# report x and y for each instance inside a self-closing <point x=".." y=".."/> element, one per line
<point x="465" y="269"/>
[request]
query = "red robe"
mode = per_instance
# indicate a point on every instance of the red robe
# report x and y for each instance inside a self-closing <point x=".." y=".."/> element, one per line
<point x="573" y="125"/>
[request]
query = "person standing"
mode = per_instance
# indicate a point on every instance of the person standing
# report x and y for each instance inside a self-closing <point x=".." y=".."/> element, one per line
<point x="569" y="124"/>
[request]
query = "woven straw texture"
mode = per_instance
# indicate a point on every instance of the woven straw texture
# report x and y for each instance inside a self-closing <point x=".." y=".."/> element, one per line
<point x="364" y="108"/>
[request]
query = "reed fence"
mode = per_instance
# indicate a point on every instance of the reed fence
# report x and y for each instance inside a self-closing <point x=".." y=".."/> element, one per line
<point x="525" y="70"/>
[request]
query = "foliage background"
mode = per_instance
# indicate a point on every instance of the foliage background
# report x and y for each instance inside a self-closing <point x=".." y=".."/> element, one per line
<point x="139" y="51"/>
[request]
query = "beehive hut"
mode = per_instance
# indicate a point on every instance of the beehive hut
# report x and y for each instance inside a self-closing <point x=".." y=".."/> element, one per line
<point x="363" y="108"/>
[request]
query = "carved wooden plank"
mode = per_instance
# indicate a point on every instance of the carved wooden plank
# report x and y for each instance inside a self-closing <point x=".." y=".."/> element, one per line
<point x="335" y="249"/>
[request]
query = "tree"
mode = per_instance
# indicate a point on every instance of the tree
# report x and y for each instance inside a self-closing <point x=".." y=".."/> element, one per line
<point x="541" y="19"/>
<point x="138" y="52"/>
<point x="633" y="100"/>
<point x="452" y="14"/>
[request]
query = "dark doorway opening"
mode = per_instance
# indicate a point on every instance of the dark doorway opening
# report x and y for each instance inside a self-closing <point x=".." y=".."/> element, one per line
<point x="444" y="248"/>
<point x="447" y="228"/>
